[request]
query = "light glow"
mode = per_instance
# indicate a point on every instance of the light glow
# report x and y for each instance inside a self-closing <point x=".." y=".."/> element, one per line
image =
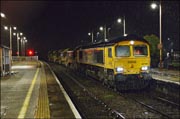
<point x="119" y="20"/>
<point x="101" y="28"/>
<point x="14" y="34"/>
<point x="5" y="27"/>
<point x="3" y="15"/>
<point x="15" y="28"/>
<point x="144" y="68"/>
<point x="131" y="42"/>
<point x="153" y="5"/>
<point x="119" y="69"/>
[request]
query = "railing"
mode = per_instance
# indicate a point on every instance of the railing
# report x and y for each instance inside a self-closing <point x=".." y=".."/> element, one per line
<point x="24" y="58"/>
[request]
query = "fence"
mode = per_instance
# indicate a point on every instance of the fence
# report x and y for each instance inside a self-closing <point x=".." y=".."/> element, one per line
<point x="24" y="58"/>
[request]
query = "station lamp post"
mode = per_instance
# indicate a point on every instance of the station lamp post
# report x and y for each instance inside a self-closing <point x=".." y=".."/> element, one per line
<point x="10" y="43"/>
<point x="104" y="30"/>
<point x="10" y="35"/>
<point x="154" y="6"/>
<point x="18" y="38"/>
<point x="119" y="20"/>
<point x="97" y="35"/>
<point x="21" y="40"/>
<point x="21" y="43"/>
<point x="124" y="25"/>
<point x="25" y="43"/>
<point x="92" y="36"/>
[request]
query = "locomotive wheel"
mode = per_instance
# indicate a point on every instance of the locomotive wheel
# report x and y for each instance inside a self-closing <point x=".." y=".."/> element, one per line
<point x="105" y="82"/>
<point x="111" y="82"/>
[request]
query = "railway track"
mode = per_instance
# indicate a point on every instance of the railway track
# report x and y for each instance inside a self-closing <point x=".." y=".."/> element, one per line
<point x="152" y="102"/>
<point x="96" y="101"/>
<point x="88" y="104"/>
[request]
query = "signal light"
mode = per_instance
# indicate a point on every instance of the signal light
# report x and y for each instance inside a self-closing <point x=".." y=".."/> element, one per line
<point x="30" y="52"/>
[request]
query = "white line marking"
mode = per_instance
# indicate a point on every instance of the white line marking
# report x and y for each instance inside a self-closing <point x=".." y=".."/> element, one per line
<point x="73" y="108"/>
<point x="23" y="111"/>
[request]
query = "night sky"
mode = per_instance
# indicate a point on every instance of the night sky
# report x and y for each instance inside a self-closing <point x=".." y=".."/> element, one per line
<point x="56" y="25"/>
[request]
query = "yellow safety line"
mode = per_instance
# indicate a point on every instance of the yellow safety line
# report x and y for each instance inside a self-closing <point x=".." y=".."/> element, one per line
<point x="28" y="97"/>
<point x="42" y="110"/>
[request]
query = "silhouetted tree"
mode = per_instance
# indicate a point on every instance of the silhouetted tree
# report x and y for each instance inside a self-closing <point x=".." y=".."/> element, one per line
<point x="153" y="41"/>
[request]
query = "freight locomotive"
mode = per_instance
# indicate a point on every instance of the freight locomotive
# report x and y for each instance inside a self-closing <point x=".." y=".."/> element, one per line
<point x="122" y="63"/>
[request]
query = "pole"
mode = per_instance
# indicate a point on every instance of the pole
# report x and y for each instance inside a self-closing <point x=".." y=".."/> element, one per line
<point x="105" y="33"/>
<point x="10" y="45"/>
<point x="124" y="26"/>
<point x="24" y="48"/>
<point x="17" y="44"/>
<point x="92" y="36"/>
<point x="160" y="34"/>
<point x="10" y="37"/>
<point x="21" y="46"/>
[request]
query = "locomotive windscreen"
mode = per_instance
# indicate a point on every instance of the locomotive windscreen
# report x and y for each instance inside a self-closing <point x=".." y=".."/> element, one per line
<point x="140" y="50"/>
<point x="122" y="51"/>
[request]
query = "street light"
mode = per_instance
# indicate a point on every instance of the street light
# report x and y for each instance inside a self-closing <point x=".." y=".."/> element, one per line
<point x="23" y="42"/>
<point x="97" y="35"/>
<point x="20" y="45"/>
<point x="153" y="6"/>
<point x="10" y="35"/>
<point x="3" y="15"/>
<point x="124" y="25"/>
<point x="101" y="28"/>
<point x="10" y="43"/>
<point x="5" y="28"/>
<point x="92" y="37"/>
<point x="104" y="29"/>
<point x="119" y="20"/>
<point x="21" y="34"/>
<point x="18" y="38"/>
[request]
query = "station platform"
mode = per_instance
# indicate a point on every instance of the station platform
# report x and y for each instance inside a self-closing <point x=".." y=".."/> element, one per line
<point x="24" y="93"/>
<point x="172" y="76"/>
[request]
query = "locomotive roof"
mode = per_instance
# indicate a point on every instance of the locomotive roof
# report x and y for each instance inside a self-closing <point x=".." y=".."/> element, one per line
<point x="113" y="41"/>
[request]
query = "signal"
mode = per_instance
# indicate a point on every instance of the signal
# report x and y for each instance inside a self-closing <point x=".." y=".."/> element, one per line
<point x="30" y="52"/>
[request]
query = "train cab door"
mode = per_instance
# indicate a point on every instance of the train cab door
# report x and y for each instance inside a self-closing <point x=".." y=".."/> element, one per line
<point x="109" y="58"/>
<point x="109" y="66"/>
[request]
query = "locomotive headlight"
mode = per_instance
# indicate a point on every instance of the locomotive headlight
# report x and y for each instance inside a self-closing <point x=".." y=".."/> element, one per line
<point x="119" y="69"/>
<point x="132" y="42"/>
<point x="144" y="68"/>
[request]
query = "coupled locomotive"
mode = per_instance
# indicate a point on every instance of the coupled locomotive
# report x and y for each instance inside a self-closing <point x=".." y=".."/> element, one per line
<point x="122" y="63"/>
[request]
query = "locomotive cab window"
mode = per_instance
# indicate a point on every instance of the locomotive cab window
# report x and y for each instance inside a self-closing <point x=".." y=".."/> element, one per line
<point x="122" y="51"/>
<point x="109" y="52"/>
<point x="140" y="50"/>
